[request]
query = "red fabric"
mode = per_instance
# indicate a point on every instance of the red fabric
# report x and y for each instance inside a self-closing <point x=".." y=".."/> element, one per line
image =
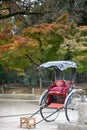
<point x="55" y="105"/>
<point x="58" y="92"/>
<point x="56" y="97"/>
<point x="58" y="83"/>
<point x="59" y="86"/>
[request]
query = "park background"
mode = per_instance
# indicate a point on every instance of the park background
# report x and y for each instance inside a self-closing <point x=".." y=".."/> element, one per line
<point x="36" y="31"/>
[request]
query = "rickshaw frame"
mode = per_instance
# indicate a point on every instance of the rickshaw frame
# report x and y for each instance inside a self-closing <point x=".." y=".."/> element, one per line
<point x="60" y="65"/>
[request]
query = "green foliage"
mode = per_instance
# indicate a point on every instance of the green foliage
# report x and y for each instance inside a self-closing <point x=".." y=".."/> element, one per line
<point x="54" y="39"/>
<point x="2" y="74"/>
<point x="9" y="76"/>
<point x="30" y="77"/>
<point x="58" y="40"/>
<point x="84" y="33"/>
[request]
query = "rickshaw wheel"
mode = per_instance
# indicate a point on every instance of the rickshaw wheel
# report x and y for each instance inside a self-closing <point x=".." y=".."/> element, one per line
<point x="71" y="107"/>
<point x="45" y="111"/>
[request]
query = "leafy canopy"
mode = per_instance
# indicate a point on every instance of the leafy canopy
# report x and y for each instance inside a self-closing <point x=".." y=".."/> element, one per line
<point x="59" y="40"/>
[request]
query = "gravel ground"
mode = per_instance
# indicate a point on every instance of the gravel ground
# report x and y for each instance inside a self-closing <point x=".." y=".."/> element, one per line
<point x="13" y="107"/>
<point x="11" y="111"/>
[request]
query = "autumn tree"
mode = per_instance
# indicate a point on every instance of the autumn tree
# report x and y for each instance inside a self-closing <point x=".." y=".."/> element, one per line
<point x="50" y="37"/>
<point x="59" y="40"/>
<point x="50" y="9"/>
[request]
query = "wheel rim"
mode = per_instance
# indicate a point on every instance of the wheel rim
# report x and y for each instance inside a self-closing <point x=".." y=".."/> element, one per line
<point x="71" y="109"/>
<point x="45" y="111"/>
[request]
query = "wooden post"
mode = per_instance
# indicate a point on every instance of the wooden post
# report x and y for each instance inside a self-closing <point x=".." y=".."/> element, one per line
<point x="33" y="91"/>
<point x="40" y="85"/>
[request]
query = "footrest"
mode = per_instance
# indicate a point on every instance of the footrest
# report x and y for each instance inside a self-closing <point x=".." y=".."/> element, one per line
<point x="56" y="105"/>
<point x="27" y="121"/>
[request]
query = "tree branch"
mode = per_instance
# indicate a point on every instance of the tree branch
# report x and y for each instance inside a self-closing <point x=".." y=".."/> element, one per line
<point x="30" y="58"/>
<point x="18" y="13"/>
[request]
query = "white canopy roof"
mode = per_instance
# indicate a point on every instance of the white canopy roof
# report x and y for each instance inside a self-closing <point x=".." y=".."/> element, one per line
<point x="61" y="65"/>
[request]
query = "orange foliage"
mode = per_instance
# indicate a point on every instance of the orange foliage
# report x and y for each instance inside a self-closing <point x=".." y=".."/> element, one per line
<point x="19" y="40"/>
<point x="83" y="28"/>
<point x="60" y="25"/>
<point x="6" y="47"/>
<point x="6" y="34"/>
<point x="64" y="19"/>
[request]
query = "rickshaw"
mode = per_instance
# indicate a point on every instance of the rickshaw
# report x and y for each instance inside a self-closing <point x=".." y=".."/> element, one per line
<point x="61" y="95"/>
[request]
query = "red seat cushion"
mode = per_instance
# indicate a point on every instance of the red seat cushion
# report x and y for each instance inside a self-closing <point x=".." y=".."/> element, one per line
<point x="55" y="105"/>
